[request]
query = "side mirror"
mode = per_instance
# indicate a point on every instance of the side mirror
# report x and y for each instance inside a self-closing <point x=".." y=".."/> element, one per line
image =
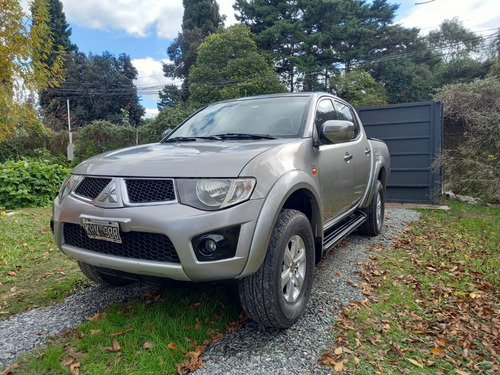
<point x="337" y="131"/>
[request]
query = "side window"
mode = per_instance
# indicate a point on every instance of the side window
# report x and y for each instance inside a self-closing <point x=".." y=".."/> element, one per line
<point x="345" y="113"/>
<point x="325" y="112"/>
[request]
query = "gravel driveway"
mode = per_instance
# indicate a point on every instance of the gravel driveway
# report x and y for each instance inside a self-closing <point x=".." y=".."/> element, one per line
<point x="251" y="350"/>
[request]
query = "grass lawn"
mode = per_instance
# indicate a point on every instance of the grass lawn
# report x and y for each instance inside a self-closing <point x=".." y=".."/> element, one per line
<point x="33" y="272"/>
<point x="157" y="334"/>
<point x="432" y="301"/>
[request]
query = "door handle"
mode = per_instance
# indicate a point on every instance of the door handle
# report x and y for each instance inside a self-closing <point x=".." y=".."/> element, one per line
<point x="347" y="157"/>
<point x="368" y="151"/>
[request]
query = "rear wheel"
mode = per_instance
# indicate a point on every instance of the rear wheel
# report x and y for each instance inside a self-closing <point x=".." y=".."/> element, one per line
<point x="96" y="274"/>
<point x="277" y="294"/>
<point x="375" y="212"/>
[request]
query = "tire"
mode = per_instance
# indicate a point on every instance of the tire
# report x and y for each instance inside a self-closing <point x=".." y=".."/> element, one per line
<point x="375" y="213"/>
<point x="277" y="294"/>
<point x="94" y="274"/>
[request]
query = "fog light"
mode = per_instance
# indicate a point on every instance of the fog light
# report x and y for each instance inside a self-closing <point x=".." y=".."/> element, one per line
<point x="216" y="245"/>
<point x="209" y="247"/>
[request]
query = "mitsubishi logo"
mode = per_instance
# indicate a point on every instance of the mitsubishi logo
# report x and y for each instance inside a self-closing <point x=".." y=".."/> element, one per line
<point x="110" y="194"/>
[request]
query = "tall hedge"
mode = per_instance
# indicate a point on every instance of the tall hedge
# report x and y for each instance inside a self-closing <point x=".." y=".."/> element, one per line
<point x="471" y="159"/>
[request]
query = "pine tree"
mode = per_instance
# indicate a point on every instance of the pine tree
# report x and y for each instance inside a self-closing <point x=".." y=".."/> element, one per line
<point x="201" y="18"/>
<point x="61" y="33"/>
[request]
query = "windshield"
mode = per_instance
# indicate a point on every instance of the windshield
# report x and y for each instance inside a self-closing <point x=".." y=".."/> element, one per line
<point x="271" y="117"/>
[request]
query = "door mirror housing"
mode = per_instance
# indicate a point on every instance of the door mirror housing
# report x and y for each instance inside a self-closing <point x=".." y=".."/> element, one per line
<point x="337" y="131"/>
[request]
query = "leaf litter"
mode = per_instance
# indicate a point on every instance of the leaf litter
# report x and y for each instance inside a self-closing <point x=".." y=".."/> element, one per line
<point x="432" y="306"/>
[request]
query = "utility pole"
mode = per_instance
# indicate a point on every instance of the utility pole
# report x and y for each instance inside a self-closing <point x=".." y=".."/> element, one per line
<point x="71" y="147"/>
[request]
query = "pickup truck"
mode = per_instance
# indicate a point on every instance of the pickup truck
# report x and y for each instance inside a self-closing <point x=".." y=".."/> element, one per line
<point x="253" y="190"/>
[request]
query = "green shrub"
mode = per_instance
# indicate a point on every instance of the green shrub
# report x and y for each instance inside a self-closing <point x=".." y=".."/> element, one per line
<point x="29" y="183"/>
<point x="471" y="159"/>
<point x="101" y="136"/>
<point x="168" y="118"/>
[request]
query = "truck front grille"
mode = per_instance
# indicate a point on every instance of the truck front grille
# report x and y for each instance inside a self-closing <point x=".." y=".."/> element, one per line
<point x="136" y="245"/>
<point x="91" y="187"/>
<point x="145" y="191"/>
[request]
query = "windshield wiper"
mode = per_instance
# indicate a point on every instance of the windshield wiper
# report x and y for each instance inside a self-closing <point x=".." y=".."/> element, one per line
<point x="244" y="136"/>
<point x="190" y="139"/>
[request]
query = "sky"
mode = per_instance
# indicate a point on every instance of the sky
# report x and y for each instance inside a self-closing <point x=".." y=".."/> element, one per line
<point x="143" y="29"/>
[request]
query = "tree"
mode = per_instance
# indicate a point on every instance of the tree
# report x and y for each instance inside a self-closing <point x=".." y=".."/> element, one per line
<point x="201" y="18"/>
<point x="405" y="80"/>
<point x="61" y="33"/>
<point x="276" y="27"/>
<point x="454" y="40"/>
<point x="99" y="87"/>
<point x="313" y="40"/>
<point x="22" y="64"/>
<point x="359" y="88"/>
<point x="229" y="65"/>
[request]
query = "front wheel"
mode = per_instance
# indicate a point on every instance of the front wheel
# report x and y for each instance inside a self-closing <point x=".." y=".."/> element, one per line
<point x="375" y="213"/>
<point x="277" y="294"/>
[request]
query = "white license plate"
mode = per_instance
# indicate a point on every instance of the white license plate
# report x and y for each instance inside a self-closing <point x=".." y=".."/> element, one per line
<point x="102" y="230"/>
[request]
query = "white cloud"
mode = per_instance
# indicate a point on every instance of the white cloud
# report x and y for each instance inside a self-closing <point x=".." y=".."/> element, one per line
<point x="151" y="112"/>
<point x="134" y="17"/>
<point x="226" y="8"/>
<point x="150" y="78"/>
<point x="478" y="16"/>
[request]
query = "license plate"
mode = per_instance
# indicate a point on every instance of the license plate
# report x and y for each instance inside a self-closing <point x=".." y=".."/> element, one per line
<point x="102" y="230"/>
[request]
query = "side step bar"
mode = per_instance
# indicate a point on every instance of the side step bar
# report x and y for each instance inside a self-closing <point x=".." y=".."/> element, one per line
<point x="342" y="230"/>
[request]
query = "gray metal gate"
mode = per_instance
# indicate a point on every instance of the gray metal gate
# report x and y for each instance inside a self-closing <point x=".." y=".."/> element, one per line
<point x="414" y="134"/>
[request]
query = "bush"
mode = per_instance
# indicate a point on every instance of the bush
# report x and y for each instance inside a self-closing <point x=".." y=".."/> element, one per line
<point x="471" y="159"/>
<point x="168" y="118"/>
<point x="101" y="136"/>
<point x="29" y="183"/>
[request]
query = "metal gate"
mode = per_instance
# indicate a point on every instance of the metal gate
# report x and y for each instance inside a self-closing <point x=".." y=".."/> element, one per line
<point x="414" y="134"/>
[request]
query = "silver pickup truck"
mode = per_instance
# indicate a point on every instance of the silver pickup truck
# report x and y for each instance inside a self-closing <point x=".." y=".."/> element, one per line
<point x="253" y="190"/>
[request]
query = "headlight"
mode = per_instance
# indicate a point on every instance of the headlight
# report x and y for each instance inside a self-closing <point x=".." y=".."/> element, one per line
<point x="68" y="185"/>
<point x="213" y="194"/>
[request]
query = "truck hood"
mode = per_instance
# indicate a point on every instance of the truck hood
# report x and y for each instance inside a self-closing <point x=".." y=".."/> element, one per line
<point x="189" y="159"/>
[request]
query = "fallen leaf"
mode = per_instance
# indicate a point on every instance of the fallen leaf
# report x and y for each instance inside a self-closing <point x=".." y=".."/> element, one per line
<point x="11" y="367"/>
<point x="351" y="283"/>
<point x="120" y="333"/>
<point x="97" y="316"/>
<point x="440" y="342"/>
<point x="116" y="347"/>
<point x="70" y="360"/>
<point x="172" y="345"/>
<point x="339" y="366"/>
<point x="459" y="372"/>
<point x="148" y="345"/>
<point x="436" y="351"/>
<point x="11" y="273"/>
<point x="94" y="332"/>
<point x="415" y="362"/>
<point x="338" y="351"/>
<point x="75" y="368"/>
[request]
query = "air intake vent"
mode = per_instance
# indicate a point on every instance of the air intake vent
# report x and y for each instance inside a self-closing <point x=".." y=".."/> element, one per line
<point x="136" y="245"/>
<point x="148" y="191"/>
<point x="91" y="187"/>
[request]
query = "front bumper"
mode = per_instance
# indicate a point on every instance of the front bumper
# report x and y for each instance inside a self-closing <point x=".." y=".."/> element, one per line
<point x="178" y="222"/>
